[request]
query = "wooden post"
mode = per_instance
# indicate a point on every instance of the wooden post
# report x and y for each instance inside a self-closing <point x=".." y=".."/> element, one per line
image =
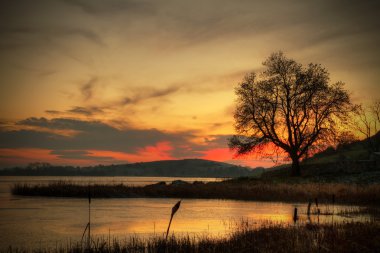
<point x="295" y="216"/>
<point x="308" y="211"/>
<point x="89" y="218"/>
<point x="333" y="208"/>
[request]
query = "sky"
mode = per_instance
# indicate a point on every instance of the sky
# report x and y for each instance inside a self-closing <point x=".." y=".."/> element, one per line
<point x="120" y="81"/>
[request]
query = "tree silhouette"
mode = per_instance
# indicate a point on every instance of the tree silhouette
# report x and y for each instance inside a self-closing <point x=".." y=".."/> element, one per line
<point x="291" y="106"/>
<point x="367" y="122"/>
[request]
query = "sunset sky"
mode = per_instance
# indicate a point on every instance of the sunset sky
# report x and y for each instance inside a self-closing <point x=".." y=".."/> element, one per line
<point x="102" y="82"/>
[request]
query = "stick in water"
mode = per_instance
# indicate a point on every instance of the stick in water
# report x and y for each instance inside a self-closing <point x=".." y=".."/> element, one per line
<point x="295" y="216"/>
<point x="89" y="217"/>
<point x="308" y="210"/>
<point x="174" y="210"/>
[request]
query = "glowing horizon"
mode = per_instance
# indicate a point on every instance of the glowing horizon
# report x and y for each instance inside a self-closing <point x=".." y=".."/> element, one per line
<point x="89" y="82"/>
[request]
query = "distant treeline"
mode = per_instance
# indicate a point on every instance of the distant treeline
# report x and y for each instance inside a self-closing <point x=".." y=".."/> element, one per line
<point x="170" y="168"/>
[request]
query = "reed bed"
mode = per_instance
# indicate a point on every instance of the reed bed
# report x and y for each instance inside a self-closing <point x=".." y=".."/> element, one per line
<point x="346" y="237"/>
<point x="258" y="191"/>
<point x="372" y="211"/>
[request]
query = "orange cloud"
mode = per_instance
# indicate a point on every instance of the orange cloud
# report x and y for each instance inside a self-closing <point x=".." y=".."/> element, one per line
<point x="226" y="155"/>
<point x="160" y="151"/>
<point x="218" y="154"/>
<point x="23" y="156"/>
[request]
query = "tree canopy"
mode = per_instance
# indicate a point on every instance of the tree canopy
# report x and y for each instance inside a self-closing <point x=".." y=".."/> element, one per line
<point x="296" y="108"/>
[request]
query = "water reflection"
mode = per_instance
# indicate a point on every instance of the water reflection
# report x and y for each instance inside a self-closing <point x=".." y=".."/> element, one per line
<point x="38" y="221"/>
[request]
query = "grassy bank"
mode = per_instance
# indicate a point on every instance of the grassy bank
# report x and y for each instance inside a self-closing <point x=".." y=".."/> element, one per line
<point x="346" y="237"/>
<point x="248" y="190"/>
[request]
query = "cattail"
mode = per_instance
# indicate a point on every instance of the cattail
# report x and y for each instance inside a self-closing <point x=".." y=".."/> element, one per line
<point x="174" y="210"/>
<point x="176" y="207"/>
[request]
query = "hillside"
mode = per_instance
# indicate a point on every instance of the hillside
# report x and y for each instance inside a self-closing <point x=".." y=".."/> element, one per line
<point x="166" y="168"/>
<point x="351" y="162"/>
<point x="354" y="151"/>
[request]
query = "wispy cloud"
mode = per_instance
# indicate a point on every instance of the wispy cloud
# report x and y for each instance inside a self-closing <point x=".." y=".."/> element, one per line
<point x="82" y="155"/>
<point x="87" y="111"/>
<point x="96" y="7"/>
<point x="12" y="33"/>
<point x="146" y="93"/>
<point x="98" y="135"/>
<point x="53" y="112"/>
<point x="90" y="135"/>
<point x="87" y="89"/>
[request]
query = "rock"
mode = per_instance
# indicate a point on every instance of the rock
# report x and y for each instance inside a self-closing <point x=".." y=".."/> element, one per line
<point x="160" y="183"/>
<point x="179" y="182"/>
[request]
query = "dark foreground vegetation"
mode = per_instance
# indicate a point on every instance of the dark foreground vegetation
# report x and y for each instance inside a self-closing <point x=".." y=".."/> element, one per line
<point x="234" y="189"/>
<point x="346" y="237"/>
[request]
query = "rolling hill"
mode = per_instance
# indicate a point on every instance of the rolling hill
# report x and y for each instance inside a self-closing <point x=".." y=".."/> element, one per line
<point x="165" y="168"/>
<point x="351" y="162"/>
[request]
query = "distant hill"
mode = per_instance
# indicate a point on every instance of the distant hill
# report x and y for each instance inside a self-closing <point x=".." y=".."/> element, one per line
<point x="165" y="168"/>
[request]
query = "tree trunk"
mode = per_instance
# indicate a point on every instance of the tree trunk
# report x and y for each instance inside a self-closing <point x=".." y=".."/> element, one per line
<point x="296" y="170"/>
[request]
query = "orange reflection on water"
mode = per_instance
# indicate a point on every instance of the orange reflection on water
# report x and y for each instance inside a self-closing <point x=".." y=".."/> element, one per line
<point x="29" y="221"/>
<point x="201" y="217"/>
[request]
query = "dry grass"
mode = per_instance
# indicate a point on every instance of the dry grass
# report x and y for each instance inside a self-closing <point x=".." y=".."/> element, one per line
<point x="256" y="190"/>
<point x="347" y="237"/>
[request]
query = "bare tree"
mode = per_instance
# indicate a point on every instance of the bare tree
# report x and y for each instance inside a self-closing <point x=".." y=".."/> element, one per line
<point x="291" y="106"/>
<point x="367" y="123"/>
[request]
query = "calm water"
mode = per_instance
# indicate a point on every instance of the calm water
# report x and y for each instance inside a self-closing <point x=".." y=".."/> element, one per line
<point x="47" y="222"/>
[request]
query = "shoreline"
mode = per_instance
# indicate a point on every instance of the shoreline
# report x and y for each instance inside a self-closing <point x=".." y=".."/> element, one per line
<point x="233" y="190"/>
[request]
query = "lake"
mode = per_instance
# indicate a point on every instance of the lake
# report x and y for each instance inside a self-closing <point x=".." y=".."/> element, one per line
<point x="46" y="222"/>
